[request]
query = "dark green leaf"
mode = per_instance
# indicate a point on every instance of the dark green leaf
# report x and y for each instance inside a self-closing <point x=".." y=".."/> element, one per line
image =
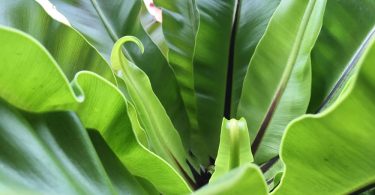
<point x="210" y="71"/>
<point x="52" y="154"/>
<point x="180" y="23"/>
<point x="252" y="21"/>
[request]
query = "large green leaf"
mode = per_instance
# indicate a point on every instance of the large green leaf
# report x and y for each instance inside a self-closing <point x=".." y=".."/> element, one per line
<point x="180" y="23"/>
<point x="67" y="46"/>
<point x="234" y="148"/>
<point x="101" y="105"/>
<point x="51" y="154"/>
<point x="103" y="22"/>
<point x="252" y="19"/>
<point x="334" y="150"/>
<point x="164" y="139"/>
<point x="345" y="25"/>
<point x="210" y="71"/>
<point x="277" y="85"/>
<point x="247" y="179"/>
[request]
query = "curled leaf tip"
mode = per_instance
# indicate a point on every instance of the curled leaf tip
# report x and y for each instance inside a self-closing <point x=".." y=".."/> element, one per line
<point x="118" y="59"/>
<point x="133" y="39"/>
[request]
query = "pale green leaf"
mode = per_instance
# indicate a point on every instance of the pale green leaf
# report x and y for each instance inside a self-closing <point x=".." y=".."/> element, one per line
<point x="163" y="137"/>
<point x="334" y="150"/>
<point x="234" y="147"/>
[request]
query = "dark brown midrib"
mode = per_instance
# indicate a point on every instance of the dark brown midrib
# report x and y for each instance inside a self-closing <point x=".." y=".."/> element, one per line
<point x="266" y="166"/>
<point x="228" y="89"/>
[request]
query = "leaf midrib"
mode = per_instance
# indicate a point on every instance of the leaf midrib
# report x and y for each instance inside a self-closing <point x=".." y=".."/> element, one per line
<point x="112" y="33"/>
<point x="230" y="66"/>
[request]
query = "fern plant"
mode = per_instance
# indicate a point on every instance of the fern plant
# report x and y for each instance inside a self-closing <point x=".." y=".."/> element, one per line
<point x="212" y="97"/>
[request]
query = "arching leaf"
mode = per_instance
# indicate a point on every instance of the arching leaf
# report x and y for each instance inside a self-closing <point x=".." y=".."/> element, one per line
<point x="277" y="85"/>
<point x="164" y="139"/>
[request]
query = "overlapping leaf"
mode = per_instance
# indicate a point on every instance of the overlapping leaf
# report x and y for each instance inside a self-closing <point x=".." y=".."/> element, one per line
<point x="334" y="150"/>
<point x="103" y="22"/>
<point x="252" y="19"/>
<point x="180" y="24"/>
<point x="103" y="107"/>
<point x="191" y="34"/>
